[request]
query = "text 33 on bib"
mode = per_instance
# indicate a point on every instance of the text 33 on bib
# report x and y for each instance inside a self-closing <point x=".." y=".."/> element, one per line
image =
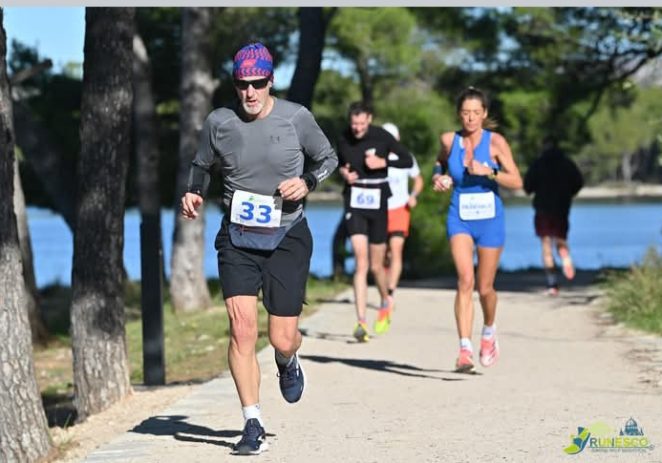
<point x="252" y="209"/>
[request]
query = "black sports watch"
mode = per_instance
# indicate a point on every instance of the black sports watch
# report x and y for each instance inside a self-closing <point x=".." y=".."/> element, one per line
<point x="310" y="179"/>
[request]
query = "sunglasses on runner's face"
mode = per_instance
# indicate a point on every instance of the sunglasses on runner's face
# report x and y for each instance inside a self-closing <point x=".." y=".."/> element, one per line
<point x="258" y="84"/>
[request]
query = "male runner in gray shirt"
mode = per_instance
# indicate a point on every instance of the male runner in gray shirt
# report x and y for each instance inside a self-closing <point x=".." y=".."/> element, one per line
<point x="264" y="241"/>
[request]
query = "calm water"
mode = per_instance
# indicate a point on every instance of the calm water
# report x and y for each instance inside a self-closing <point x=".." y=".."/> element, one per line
<point x="601" y="235"/>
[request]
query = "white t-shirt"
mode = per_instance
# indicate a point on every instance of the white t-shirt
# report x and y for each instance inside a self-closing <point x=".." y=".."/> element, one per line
<point x="398" y="180"/>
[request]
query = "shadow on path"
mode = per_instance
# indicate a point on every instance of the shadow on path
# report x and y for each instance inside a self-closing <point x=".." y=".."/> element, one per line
<point x="175" y="426"/>
<point x="532" y="280"/>
<point x="382" y="365"/>
<point x="321" y="300"/>
<point x="346" y="338"/>
<point x="346" y="300"/>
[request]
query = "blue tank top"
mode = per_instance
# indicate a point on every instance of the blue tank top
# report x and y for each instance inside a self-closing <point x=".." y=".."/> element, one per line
<point x="463" y="182"/>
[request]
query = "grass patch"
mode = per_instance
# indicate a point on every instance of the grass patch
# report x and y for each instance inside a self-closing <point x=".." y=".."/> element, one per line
<point x="195" y="343"/>
<point x="635" y="296"/>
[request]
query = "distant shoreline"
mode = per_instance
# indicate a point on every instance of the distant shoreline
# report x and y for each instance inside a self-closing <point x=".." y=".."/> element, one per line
<point x="625" y="191"/>
<point x="635" y="191"/>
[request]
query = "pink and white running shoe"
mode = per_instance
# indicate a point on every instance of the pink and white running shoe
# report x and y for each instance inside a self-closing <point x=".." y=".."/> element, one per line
<point x="489" y="350"/>
<point x="465" y="362"/>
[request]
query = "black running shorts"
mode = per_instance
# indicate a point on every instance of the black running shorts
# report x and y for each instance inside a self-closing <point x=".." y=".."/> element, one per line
<point x="374" y="224"/>
<point x="281" y="274"/>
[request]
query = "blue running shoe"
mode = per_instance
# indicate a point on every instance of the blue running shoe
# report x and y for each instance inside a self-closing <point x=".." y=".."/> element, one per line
<point x="253" y="439"/>
<point x="291" y="379"/>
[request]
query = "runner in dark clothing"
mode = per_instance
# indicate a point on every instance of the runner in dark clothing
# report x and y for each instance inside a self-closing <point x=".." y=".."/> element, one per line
<point x="554" y="179"/>
<point x="363" y="154"/>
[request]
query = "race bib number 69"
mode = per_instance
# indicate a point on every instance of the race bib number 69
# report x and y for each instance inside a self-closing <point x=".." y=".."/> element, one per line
<point x="365" y="198"/>
<point x="252" y="209"/>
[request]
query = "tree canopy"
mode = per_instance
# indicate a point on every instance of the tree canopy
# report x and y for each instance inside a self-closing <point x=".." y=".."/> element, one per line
<point x="571" y="72"/>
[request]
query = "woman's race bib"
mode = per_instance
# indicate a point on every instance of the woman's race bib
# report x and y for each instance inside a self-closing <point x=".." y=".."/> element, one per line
<point x="477" y="206"/>
<point x="365" y="198"/>
<point x="254" y="210"/>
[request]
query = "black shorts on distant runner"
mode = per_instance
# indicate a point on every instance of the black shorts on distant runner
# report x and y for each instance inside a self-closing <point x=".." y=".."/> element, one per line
<point x="281" y="274"/>
<point x="374" y="224"/>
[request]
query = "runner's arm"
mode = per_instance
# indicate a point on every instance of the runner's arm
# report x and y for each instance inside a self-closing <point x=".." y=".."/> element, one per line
<point x="404" y="157"/>
<point x="576" y="177"/>
<point x="508" y="176"/>
<point x="416" y="190"/>
<point x="530" y="178"/>
<point x="445" y="142"/>
<point x="205" y="156"/>
<point x="317" y="147"/>
<point x="419" y="183"/>
<point x="441" y="181"/>
<point x="198" y="179"/>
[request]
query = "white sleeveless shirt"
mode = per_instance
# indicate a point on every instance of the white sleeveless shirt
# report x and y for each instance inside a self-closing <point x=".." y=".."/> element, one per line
<point x="398" y="180"/>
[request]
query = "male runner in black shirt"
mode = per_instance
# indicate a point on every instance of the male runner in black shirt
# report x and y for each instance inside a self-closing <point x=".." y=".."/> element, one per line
<point x="363" y="154"/>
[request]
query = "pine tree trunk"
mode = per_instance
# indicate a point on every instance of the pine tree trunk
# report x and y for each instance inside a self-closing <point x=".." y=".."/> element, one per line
<point x="101" y="371"/>
<point x="188" y="284"/>
<point x="365" y="81"/>
<point x="312" y="34"/>
<point x="23" y="429"/>
<point x="37" y="327"/>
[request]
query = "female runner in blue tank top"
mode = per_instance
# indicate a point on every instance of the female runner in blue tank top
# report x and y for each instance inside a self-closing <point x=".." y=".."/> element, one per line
<point x="473" y="163"/>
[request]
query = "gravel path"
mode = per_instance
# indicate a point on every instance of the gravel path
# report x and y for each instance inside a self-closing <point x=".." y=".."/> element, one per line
<point x="396" y="399"/>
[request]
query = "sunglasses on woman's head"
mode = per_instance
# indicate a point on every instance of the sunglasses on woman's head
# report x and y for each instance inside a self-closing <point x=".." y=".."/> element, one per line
<point x="258" y="84"/>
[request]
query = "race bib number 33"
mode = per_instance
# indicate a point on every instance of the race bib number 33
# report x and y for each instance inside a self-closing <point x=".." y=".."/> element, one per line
<point x="365" y="198"/>
<point x="252" y="209"/>
<point x="477" y="206"/>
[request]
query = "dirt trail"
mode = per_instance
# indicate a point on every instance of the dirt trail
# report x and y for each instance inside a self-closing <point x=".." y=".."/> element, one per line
<point x="396" y="398"/>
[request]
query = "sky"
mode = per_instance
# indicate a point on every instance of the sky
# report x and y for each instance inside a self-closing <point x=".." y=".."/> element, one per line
<point x="58" y="33"/>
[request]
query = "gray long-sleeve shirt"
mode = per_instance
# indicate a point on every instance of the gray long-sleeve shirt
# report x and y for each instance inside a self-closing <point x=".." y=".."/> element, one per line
<point x="257" y="155"/>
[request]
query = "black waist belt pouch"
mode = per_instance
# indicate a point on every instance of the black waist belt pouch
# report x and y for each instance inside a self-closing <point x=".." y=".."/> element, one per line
<point x="262" y="238"/>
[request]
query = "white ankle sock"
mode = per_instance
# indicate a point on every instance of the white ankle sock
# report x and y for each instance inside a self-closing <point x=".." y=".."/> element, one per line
<point x="488" y="331"/>
<point x="465" y="343"/>
<point x="252" y="411"/>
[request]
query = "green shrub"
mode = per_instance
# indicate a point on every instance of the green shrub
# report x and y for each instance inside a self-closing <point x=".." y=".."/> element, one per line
<point x="635" y="296"/>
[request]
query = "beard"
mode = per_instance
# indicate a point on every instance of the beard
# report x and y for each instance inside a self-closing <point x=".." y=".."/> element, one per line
<point x="255" y="107"/>
<point x="253" y="110"/>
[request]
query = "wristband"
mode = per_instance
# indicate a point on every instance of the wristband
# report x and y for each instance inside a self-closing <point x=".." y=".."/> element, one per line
<point x="493" y="174"/>
<point x="438" y="169"/>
